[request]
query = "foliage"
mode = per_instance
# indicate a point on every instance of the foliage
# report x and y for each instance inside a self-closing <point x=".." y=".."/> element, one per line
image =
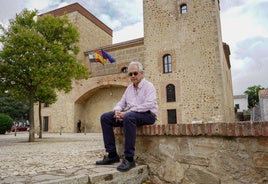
<point x="39" y="55"/>
<point x="253" y="95"/>
<point x="16" y="109"/>
<point x="6" y="123"/>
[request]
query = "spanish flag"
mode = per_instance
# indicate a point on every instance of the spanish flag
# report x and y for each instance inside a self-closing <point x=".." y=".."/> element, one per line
<point x="99" y="58"/>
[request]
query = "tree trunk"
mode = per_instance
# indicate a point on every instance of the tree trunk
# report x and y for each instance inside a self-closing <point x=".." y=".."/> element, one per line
<point x="40" y="121"/>
<point x="31" y="116"/>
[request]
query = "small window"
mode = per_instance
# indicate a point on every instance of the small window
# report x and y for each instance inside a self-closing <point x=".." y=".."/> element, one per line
<point x="183" y="8"/>
<point x="167" y="65"/>
<point x="237" y="106"/>
<point x="170" y="90"/>
<point x="46" y="105"/>
<point x="45" y="123"/>
<point x="124" y="70"/>
<point x="172" y="117"/>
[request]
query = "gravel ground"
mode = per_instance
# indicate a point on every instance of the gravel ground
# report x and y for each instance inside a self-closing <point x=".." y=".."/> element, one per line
<point x="18" y="157"/>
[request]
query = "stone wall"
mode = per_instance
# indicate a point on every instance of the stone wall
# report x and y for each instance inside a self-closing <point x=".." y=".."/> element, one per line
<point x="200" y="68"/>
<point x="222" y="153"/>
<point x="124" y="54"/>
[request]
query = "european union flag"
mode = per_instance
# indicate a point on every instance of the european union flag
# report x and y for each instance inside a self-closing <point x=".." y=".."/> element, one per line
<point x="107" y="56"/>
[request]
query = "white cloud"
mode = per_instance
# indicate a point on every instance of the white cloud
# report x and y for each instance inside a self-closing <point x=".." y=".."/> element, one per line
<point x="113" y="23"/>
<point x="245" y="29"/>
<point x="128" y="33"/>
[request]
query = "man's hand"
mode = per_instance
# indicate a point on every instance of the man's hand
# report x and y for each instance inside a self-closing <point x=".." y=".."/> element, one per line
<point x="118" y="115"/>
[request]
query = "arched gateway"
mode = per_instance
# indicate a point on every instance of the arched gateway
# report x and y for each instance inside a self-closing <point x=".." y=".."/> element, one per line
<point x="96" y="97"/>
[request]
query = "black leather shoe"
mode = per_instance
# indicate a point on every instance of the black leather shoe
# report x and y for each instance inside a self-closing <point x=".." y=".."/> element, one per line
<point x="126" y="165"/>
<point x="107" y="161"/>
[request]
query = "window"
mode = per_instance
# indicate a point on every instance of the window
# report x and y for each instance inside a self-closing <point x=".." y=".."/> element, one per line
<point x="45" y="123"/>
<point x="170" y="90"/>
<point x="237" y="106"/>
<point x="167" y="67"/>
<point x="183" y="8"/>
<point x="172" y="117"/>
<point x="124" y="70"/>
<point x="46" y="105"/>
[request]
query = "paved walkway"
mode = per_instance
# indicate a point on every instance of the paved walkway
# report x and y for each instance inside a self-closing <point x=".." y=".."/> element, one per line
<point x="53" y="157"/>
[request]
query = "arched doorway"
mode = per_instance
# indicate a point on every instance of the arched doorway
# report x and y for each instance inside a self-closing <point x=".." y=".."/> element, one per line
<point x="94" y="103"/>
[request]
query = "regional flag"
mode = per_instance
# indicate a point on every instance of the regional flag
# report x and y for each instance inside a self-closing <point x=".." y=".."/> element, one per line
<point x="91" y="56"/>
<point x="99" y="58"/>
<point x="105" y="55"/>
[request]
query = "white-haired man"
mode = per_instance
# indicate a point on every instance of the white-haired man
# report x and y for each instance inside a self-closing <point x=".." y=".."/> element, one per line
<point x="137" y="107"/>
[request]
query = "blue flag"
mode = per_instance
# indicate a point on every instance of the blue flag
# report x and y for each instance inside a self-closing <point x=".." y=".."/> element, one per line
<point x="107" y="56"/>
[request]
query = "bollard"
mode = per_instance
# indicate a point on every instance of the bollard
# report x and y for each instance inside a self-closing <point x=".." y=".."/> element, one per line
<point x="61" y="128"/>
<point x="85" y="132"/>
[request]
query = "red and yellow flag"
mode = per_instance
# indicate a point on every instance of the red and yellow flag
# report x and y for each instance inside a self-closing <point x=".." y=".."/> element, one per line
<point x="99" y="58"/>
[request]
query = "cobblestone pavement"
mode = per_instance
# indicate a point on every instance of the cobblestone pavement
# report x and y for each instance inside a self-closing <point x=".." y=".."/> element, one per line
<point x="53" y="157"/>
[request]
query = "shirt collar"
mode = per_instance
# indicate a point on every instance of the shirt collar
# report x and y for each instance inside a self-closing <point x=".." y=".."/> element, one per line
<point x="141" y="83"/>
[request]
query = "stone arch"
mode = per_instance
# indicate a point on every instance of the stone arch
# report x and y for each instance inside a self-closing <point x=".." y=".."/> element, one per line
<point x="96" y="98"/>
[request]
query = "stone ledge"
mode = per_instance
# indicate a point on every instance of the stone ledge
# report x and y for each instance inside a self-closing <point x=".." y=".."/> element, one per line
<point x="238" y="129"/>
<point x="136" y="175"/>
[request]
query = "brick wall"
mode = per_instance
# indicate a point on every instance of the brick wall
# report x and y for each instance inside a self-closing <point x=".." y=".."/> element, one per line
<point x="237" y="129"/>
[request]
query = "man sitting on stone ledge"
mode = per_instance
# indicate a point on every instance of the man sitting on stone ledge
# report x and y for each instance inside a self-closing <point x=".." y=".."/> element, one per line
<point x="137" y="107"/>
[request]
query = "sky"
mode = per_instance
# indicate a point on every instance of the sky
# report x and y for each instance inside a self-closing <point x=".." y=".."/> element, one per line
<point x="243" y="22"/>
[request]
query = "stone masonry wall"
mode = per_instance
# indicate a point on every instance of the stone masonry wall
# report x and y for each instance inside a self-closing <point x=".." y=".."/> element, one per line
<point x="199" y="71"/>
<point x="91" y="36"/>
<point x="213" y="153"/>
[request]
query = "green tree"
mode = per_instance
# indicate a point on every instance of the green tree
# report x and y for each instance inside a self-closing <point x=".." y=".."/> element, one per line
<point x="253" y="95"/>
<point x="16" y="109"/>
<point x="6" y="123"/>
<point x="39" y="53"/>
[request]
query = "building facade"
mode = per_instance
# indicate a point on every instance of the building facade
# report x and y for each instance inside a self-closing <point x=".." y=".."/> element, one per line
<point x="241" y="103"/>
<point x="183" y="56"/>
<point x="263" y="102"/>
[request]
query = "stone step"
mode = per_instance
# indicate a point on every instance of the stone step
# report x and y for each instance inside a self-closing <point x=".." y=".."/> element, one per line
<point x="134" y="176"/>
<point x="104" y="175"/>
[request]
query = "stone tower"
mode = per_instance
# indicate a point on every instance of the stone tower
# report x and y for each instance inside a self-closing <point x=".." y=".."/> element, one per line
<point x="187" y="61"/>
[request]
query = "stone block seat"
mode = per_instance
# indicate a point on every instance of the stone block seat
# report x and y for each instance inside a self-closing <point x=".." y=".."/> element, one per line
<point x="203" y="129"/>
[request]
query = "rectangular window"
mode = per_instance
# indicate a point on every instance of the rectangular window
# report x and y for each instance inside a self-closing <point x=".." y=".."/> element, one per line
<point x="167" y="64"/>
<point x="172" y="116"/>
<point x="45" y="124"/>
<point x="183" y="8"/>
<point x="237" y="106"/>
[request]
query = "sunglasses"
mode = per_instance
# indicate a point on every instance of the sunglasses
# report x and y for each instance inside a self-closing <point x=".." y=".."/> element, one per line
<point x="133" y="73"/>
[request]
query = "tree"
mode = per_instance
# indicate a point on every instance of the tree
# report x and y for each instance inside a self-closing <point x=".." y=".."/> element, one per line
<point x="253" y="95"/>
<point x="39" y="53"/>
<point x="16" y="109"/>
<point x="6" y="123"/>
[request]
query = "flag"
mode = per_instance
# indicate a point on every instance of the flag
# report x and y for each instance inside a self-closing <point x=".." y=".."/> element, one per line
<point x="107" y="56"/>
<point x="99" y="58"/>
<point x="91" y="56"/>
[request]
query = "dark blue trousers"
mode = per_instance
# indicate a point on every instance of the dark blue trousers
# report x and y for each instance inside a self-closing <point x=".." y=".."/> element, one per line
<point x="130" y="123"/>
